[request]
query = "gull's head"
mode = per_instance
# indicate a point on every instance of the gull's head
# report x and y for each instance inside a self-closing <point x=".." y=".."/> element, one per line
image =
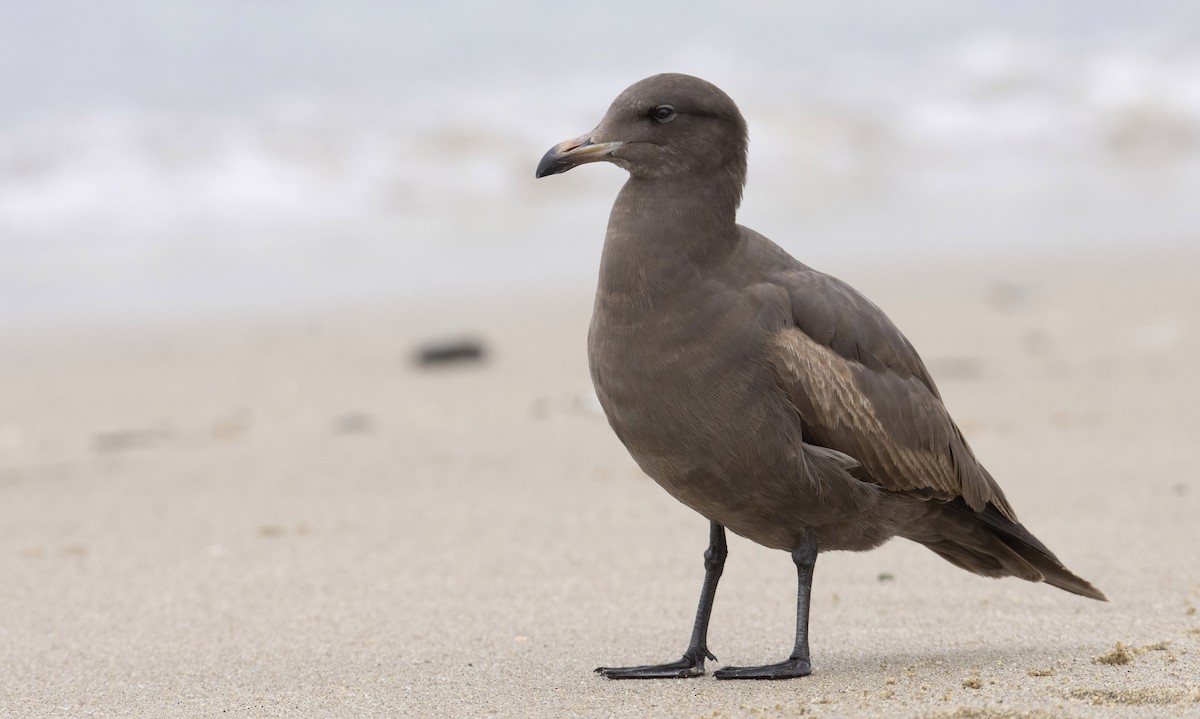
<point x="668" y="125"/>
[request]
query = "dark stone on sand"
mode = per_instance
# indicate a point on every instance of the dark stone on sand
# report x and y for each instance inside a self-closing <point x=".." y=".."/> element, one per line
<point x="447" y="352"/>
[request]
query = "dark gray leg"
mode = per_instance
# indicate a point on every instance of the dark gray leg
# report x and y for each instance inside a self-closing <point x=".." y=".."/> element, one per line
<point x="692" y="663"/>
<point x="797" y="665"/>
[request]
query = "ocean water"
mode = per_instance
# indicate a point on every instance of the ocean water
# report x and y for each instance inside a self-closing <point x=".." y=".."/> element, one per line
<point x="165" y="159"/>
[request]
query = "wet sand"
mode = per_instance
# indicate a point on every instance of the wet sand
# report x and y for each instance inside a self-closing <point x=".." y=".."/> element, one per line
<point x="289" y="517"/>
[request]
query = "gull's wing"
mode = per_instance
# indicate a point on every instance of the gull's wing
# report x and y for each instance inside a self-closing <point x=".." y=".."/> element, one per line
<point x="860" y="388"/>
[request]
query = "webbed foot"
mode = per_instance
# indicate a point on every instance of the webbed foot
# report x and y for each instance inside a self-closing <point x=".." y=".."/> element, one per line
<point x="690" y="665"/>
<point x="790" y="669"/>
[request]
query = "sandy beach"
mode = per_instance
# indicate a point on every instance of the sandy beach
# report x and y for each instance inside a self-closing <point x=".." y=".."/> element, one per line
<point x="286" y="516"/>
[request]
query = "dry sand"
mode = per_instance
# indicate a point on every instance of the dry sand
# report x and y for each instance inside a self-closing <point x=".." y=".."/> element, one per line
<point x="286" y="517"/>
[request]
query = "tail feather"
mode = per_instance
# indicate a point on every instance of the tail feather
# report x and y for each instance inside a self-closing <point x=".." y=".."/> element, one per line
<point x="993" y="545"/>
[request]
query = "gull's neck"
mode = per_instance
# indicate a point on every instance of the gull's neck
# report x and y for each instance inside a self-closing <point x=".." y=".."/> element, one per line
<point x="663" y="234"/>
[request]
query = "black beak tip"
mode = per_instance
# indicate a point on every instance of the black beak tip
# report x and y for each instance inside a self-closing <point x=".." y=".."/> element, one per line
<point x="552" y="163"/>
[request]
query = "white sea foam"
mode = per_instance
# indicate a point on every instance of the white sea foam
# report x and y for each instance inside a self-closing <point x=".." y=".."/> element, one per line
<point x="975" y="143"/>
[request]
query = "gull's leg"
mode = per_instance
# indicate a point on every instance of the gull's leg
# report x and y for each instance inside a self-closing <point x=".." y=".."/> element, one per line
<point x="797" y="665"/>
<point x="692" y="663"/>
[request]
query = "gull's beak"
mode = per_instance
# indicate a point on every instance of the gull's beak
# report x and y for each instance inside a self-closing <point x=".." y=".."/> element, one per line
<point x="577" y="151"/>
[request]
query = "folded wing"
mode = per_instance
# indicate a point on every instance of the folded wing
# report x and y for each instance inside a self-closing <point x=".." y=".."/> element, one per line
<point x="860" y="388"/>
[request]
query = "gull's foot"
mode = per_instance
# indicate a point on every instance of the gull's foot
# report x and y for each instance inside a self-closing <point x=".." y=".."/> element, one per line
<point x="691" y="665"/>
<point x="789" y="669"/>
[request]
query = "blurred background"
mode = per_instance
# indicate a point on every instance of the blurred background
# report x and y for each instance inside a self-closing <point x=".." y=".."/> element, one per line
<point x="167" y="159"/>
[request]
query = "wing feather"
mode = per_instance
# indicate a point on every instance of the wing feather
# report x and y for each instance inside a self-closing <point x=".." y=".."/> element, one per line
<point x="861" y="389"/>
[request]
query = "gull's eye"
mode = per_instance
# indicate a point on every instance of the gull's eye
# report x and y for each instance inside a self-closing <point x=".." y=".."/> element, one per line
<point x="663" y="113"/>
